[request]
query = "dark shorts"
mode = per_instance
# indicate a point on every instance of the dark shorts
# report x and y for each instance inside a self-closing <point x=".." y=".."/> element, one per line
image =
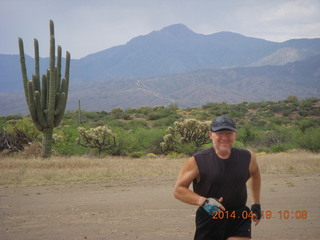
<point x="236" y="224"/>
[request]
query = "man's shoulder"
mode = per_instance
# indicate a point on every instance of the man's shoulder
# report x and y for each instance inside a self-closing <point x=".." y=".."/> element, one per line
<point x="242" y="151"/>
<point x="203" y="152"/>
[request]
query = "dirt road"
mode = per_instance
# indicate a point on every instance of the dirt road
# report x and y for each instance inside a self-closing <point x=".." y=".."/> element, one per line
<point x="146" y="209"/>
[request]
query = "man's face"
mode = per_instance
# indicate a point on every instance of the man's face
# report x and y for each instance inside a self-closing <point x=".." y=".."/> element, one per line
<point x="223" y="140"/>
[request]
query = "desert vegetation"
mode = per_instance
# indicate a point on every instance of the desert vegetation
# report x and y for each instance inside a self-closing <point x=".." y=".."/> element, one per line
<point x="270" y="127"/>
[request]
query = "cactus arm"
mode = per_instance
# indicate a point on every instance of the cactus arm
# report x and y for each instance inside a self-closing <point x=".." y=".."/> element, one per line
<point x="43" y="91"/>
<point x="23" y="68"/>
<point x="64" y="92"/>
<point x="63" y="86"/>
<point x="35" y="83"/>
<point x="37" y="64"/>
<point x="32" y="107"/>
<point x="47" y="93"/>
<point x="67" y="72"/>
<point x="52" y="80"/>
<point x="31" y="100"/>
<point x="58" y="75"/>
<point x="60" y="107"/>
<point x="59" y="103"/>
<point x="39" y="111"/>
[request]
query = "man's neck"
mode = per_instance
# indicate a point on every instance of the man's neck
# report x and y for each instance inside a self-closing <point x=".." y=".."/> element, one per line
<point x="222" y="154"/>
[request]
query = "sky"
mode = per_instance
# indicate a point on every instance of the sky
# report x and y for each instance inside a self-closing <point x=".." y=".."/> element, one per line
<point x="83" y="27"/>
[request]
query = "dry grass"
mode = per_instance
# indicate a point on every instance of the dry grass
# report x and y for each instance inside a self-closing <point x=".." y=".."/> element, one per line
<point x="291" y="162"/>
<point x="61" y="170"/>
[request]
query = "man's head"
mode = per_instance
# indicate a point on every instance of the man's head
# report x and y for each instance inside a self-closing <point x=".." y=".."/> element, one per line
<point x="223" y="133"/>
<point x="223" y="123"/>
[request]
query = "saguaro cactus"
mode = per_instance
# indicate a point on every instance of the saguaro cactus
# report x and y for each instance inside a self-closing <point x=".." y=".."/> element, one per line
<point x="46" y="101"/>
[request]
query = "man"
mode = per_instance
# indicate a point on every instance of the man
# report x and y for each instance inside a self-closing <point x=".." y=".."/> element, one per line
<point x="219" y="177"/>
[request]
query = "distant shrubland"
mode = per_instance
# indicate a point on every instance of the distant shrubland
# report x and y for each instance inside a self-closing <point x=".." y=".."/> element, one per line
<point x="268" y="126"/>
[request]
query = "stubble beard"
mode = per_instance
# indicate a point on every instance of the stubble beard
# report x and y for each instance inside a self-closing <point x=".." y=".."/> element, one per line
<point x="223" y="150"/>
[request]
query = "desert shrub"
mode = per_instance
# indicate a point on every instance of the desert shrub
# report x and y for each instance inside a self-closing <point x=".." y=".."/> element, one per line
<point x="101" y="138"/>
<point x="136" y="154"/>
<point x="2" y="123"/>
<point x="247" y="134"/>
<point x="306" y="123"/>
<point x="23" y="126"/>
<point x="238" y="144"/>
<point x="273" y="137"/>
<point x="139" y="140"/>
<point x="65" y="141"/>
<point x="280" y="148"/>
<point x="310" y="140"/>
<point x="151" y="155"/>
<point x="165" y="122"/>
<point x="13" y="142"/>
<point x="17" y="134"/>
<point x="201" y="116"/>
<point x="277" y="120"/>
<point x="135" y="124"/>
<point x="186" y="136"/>
<point x="143" y="111"/>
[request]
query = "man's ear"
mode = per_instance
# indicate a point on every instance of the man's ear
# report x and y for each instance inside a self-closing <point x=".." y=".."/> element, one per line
<point x="210" y="134"/>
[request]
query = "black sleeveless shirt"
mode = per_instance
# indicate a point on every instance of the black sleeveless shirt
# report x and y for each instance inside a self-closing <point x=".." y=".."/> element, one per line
<point x="223" y="177"/>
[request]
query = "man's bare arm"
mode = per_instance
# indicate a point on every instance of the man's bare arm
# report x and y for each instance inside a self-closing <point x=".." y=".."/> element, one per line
<point x="255" y="180"/>
<point x="188" y="173"/>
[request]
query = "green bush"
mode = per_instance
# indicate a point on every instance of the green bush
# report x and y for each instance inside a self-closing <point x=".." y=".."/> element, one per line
<point x="139" y="140"/>
<point x="136" y="154"/>
<point x="247" y="134"/>
<point x="65" y="141"/>
<point x="280" y="148"/>
<point x="310" y="140"/>
<point x="24" y="125"/>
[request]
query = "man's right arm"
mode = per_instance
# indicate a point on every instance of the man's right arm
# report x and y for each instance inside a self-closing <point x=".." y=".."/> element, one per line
<point x="188" y="173"/>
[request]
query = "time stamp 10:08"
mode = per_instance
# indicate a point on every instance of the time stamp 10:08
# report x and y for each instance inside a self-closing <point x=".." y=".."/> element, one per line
<point x="267" y="214"/>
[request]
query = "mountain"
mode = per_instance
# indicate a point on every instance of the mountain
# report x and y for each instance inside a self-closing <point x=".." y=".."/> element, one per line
<point x="197" y="88"/>
<point x="231" y="85"/>
<point x="177" y="65"/>
<point x="173" y="49"/>
<point x="177" y="49"/>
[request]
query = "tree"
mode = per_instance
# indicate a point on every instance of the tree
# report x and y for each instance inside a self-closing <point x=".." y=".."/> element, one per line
<point x="101" y="138"/>
<point x="186" y="137"/>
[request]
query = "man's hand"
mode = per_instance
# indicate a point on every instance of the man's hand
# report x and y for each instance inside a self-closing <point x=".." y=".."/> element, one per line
<point x="256" y="209"/>
<point x="212" y="204"/>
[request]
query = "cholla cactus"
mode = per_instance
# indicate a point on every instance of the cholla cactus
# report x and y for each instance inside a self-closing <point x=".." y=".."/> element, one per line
<point x="101" y="138"/>
<point x="190" y="133"/>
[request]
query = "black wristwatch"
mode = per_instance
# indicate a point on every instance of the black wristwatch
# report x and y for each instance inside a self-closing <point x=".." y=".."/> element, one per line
<point x="205" y="202"/>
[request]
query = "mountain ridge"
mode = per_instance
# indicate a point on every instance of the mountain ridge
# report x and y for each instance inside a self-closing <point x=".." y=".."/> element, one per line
<point x="177" y="52"/>
<point x="250" y="84"/>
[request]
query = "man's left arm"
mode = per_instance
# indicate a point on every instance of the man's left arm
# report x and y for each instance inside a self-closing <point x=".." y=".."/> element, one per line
<point x="255" y="186"/>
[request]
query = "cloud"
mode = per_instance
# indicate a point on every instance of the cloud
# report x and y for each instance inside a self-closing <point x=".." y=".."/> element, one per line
<point x="84" y="27"/>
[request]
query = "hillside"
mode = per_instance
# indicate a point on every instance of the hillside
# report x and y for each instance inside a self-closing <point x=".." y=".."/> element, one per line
<point x="171" y="50"/>
<point x="235" y="85"/>
<point x="197" y="88"/>
<point x="177" y="65"/>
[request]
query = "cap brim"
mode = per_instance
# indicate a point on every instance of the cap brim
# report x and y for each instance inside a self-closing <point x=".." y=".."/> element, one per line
<point x="217" y="129"/>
